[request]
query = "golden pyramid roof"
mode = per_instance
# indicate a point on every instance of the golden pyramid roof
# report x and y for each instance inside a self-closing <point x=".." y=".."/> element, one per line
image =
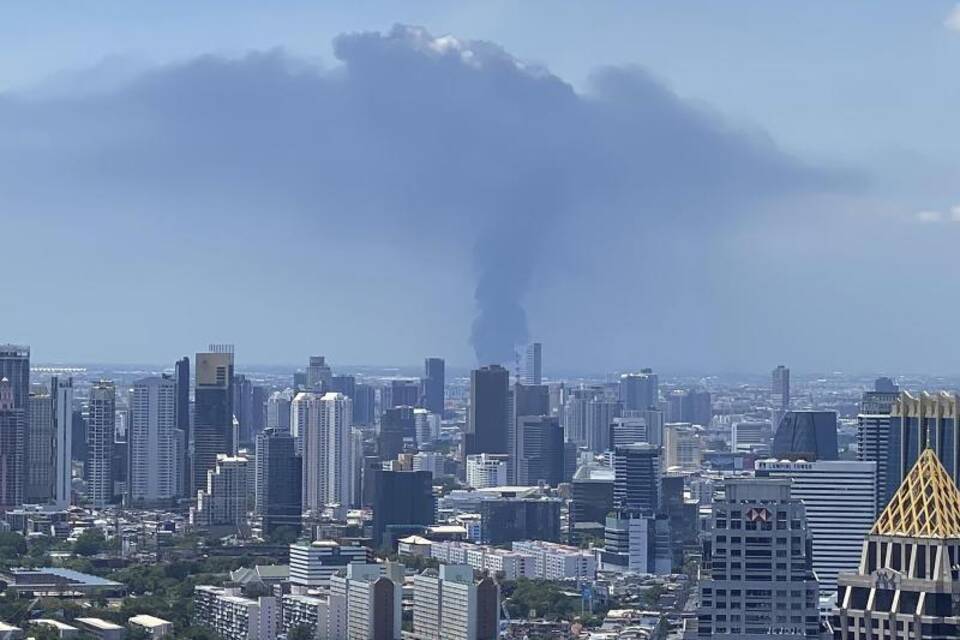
<point x="927" y="504"/>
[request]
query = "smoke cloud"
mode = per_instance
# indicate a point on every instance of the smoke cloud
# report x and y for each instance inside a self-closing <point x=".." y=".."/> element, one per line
<point x="426" y="141"/>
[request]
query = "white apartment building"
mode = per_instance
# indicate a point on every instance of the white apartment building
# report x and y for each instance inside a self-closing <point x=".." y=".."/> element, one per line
<point x="224" y="501"/>
<point x="449" y="605"/>
<point x="153" y="419"/>
<point x="328" y="462"/>
<point x="312" y="564"/>
<point x="234" y="617"/>
<point x="554" y="561"/>
<point x="486" y="470"/>
<point x="365" y="603"/>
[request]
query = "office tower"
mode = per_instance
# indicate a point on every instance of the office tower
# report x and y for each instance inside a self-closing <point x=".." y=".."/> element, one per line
<point x="397" y="424"/>
<point x="448" y="604"/>
<point x="61" y="394"/>
<point x="12" y="430"/>
<point x="637" y="470"/>
<point x="101" y="416"/>
<point x="885" y="385"/>
<point x="523" y="400"/>
<point x="673" y="406"/>
<point x="224" y="500"/>
<point x="364" y="404"/>
<point x="328" y="455"/>
<point x="344" y="384"/>
<point x="601" y="413"/>
<point x="655" y="421"/>
<point x="540" y="451"/>
<point x="15" y="367"/>
<point x="243" y="407"/>
<point x="638" y="542"/>
<point x="873" y="436"/>
<point x="624" y="431"/>
<point x="591" y="499"/>
<point x="907" y="585"/>
<point x="212" y="411"/>
<point x="533" y="364"/>
<point x="313" y="563"/>
<point x="153" y="419"/>
<point x="181" y="376"/>
<point x="757" y="576"/>
<point x="180" y="472"/>
<point x="365" y="603"/>
<point x="426" y="426"/>
<point x="488" y="415"/>
<point x="779" y="395"/>
<point x="300" y="381"/>
<point x="639" y="391"/>
<point x="682" y="446"/>
<point x="511" y="518"/>
<point x="576" y="413"/>
<point x="318" y="374"/>
<point x="278" y="411"/>
<point x="841" y="507"/>
<point x="403" y="501"/>
<point x="402" y="393"/>
<point x="485" y="470"/>
<point x="120" y="463"/>
<point x="918" y="423"/>
<point x="750" y="436"/>
<point x="279" y="481"/>
<point x="806" y="435"/>
<point x="433" y="385"/>
<point x="683" y="516"/>
<point x="39" y="465"/>
<point x="697" y="407"/>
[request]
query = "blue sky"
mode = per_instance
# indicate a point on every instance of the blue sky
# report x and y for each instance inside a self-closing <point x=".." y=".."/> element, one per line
<point x="862" y="89"/>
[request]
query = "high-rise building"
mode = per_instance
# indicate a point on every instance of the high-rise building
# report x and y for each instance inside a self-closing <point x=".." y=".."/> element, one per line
<point x="347" y="385"/>
<point x="12" y="431"/>
<point x="533" y="364"/>
<point x="873" y="436"/>
<point x="918" y="423"/>
<point x="278" y="411"/>
<point x="402" y="500"/>
<point x="426" y="426"/>
<point x="39" y="465"/>
<point x="591" y="499"/>
<point x="231" y="616"/>
<point x="366" y="603"/>
<point x="523" y="400"/>
<point x="637" y="470"/>
<point x="697" y="407"/>
<point x="539" y="451"/>
<point x="627" y="430"/>
<point x="224" y="500"/>
<point x="433" y="385"/>
<point x="488" y="415"/>
<point x="639" y="391"/>
<point x="402" y="393"/>
<point x="601" y="413"/>
<point x="319" y="375"/>
<point x="364" y="404"/>
<point x="907" y="585"/>
<point x="884" y="384"/>
<point x="806" y="435"/>
<point x="638" y="542"/>
<point x="397" y="424"/>
<point x="449" y="604"/>
<point x="244" y="408"/>
<point x="485" y="470"/>
<point x="213" y="411"/>
<point x="181" y="375"/>
<point x="304" y="411"/>
<point x="61" y="394"/>
<point x="751" y="436"/>
<point x="15" y="367"/>
<point x="780" y="387"/>
<point x="101" y="426"/>
<point x="682" y="446"/>
<point x="841" y="507"/>
<point x="328" y="461"/>
<point x="576" y="412"/>
<point x="757" y="572"/>
<point x="279" y="481"/>
<point x="153" y="418"/>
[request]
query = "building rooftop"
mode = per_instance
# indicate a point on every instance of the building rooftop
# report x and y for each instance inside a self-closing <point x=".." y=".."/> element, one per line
<point x="146" y="620"/>
<point x="57" y="574"/>
<point x="927" y="504"/>
<point x="99" y="623"/>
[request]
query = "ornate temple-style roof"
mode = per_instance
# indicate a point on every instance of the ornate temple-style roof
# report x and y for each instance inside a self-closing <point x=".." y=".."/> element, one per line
<point x="927" y="504"/>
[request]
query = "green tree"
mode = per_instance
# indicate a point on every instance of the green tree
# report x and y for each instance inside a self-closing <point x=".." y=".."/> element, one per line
<point x="90" y="542"/>
<point x="12" y="545"/>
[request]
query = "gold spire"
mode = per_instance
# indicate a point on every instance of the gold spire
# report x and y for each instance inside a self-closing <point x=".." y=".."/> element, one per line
<point x="927" y="504"/>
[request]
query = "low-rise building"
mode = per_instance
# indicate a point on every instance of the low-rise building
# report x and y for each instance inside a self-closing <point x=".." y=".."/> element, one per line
<point x="63" y="630"/>
<point x="312" y="564"/>
<point x="10" y="632"/>
<point x="554" y="561"/>
<point x="102" y="629"/>
<point x="155" y="627"/>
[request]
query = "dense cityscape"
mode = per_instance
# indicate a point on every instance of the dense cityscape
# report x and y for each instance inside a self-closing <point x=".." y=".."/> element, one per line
<point x="202" y="500"/>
